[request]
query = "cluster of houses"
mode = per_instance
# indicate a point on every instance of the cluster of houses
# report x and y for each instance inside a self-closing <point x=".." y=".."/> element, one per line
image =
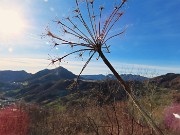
<point x="6" y="102"/>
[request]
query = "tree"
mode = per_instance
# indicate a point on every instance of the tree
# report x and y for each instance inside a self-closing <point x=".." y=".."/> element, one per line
<point x="94" y="40"/>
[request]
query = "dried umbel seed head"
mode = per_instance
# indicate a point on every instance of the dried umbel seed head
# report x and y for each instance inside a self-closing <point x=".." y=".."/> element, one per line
<point x="64" y="30"/>
<point x="89" y="30"/>
<point x="101" y="35"/>
<point x="99" y="40"/>
<point x="76" y="10"/>
<point x="120" y="14"/>
<point x="49" y="33"/>
<point x="91" y="1"/>
<point x="67" y="18"/>
<point x="115" y="7"/>
<point x="101" y="7"/>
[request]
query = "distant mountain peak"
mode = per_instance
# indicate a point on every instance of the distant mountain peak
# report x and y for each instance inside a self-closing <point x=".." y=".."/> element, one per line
<point x="55" y="74"/>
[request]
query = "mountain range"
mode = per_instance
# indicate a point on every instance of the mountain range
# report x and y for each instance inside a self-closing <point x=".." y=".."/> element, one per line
<point x="59" y="73"/>
<point x="126" y="77"/>
<point x="49" y="85"/>
<point x="170" y="80"/>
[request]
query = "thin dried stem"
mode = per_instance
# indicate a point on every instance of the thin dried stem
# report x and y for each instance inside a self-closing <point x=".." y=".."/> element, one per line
<point x="83" y="22"/>
<point x="94" y="18"/>
<point x="66" y="41"/>
<point x="59" y="22"/>
<point x="100" y="15"/>
<point x="61" y="58"/>
<point x="132" y="97"/>
<point x="79" y="44"/>
<point x="86" y="39"/>
<point x="114" y="36"/>
<point x="119" y="15"/>
<point x="85" y="65"/>
<point x="80" y="37"/>
<point x="90" y="18"/>
<point x="113" y="15"/>
<point x="107" y="47"/>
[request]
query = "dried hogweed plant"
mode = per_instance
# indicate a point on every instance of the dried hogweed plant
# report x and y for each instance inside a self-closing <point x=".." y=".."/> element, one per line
<point x="92" y="36"/>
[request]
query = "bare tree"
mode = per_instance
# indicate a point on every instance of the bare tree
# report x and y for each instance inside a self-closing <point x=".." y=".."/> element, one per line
<point x="93" y="38"/>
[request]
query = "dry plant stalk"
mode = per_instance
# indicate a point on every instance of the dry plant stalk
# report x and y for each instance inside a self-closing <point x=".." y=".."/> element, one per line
<point x="94" y="40"/>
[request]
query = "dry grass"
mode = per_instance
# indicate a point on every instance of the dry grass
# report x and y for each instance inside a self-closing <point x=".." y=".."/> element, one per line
<point x="91" y="118"/>
<point x="112" y="119"/>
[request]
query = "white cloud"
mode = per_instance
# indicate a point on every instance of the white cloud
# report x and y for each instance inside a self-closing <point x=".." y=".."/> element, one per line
<point x="95" y="67"/>
<point x="29" y="64"/>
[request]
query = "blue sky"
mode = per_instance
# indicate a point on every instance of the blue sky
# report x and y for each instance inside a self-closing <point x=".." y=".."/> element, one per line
<point x="150" y="44"/>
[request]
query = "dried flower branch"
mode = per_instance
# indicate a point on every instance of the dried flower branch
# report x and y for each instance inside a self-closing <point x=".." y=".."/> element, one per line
<point x="95" y="41"/>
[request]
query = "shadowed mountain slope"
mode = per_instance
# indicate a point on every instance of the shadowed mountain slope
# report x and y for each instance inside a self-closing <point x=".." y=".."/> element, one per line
<point x="169" y="80"/>
<point x="13" y="76"/>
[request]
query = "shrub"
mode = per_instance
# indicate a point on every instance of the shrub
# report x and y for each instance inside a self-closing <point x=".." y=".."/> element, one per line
<point x="13" y="121"/>
<point x="172" y="117"/>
